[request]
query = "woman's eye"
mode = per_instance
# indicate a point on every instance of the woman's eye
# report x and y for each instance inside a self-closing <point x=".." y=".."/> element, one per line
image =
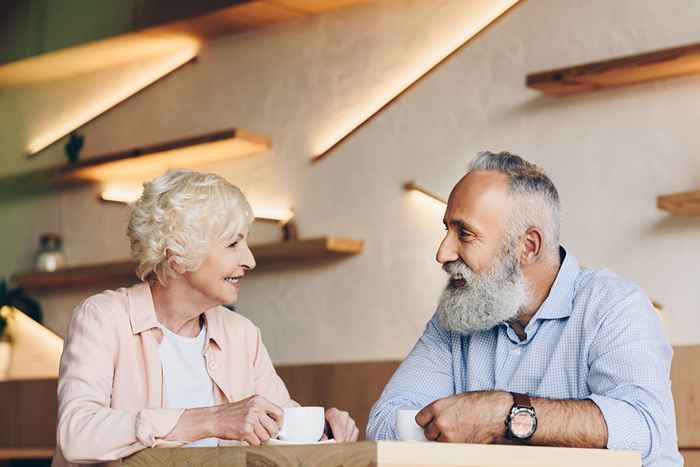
<point x="233" y="245"/>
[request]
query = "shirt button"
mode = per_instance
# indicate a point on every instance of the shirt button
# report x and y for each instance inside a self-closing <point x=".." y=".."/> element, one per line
<point x="515" y="351"/>
<point x="212" y="366"/>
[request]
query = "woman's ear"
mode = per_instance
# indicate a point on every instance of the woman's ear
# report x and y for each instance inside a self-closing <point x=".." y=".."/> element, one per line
<point x="171" y="258"/>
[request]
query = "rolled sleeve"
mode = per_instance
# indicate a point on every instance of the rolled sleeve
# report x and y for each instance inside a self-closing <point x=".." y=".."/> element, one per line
<point x="152" y="425"/>
<point x="88" y="429"/>
<point x="424" y="376"/>
<point x="629" y="380"/>
<point x="627" y="430"/>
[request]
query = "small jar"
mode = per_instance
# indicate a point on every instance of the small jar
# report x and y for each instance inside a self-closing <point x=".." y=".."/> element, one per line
<point x="50" y="256"/>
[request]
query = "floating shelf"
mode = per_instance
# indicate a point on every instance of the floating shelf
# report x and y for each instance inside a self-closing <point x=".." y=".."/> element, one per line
<point x="141" y="163"/>
<point x="156" y="30"/>
<point x="633" y="69"/>
<point x="25" y="453"/>
<point x="680" y="204"/>
<point x="265" y="255"/>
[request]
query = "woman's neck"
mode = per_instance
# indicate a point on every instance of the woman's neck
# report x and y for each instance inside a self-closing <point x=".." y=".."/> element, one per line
<point x="176" y="308"/>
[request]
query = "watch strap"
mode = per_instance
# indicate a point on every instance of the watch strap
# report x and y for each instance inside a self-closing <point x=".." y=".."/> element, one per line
<point x="521" y="400"/>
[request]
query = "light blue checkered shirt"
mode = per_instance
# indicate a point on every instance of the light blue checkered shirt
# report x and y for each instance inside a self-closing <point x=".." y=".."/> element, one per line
<point x="595" y="337"/>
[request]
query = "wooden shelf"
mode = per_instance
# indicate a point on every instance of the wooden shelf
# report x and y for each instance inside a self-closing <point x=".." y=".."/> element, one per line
<point x="25" y="453"/>
<point x="159" y="28"/>
<point x="266" y="255"/>
<point x="680" y="204"/>
<point x="141" y="163"/>
<point x="633" y="69"/>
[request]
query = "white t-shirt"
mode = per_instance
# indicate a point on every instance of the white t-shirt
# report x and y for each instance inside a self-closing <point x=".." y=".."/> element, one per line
<point x="186" y="383"/>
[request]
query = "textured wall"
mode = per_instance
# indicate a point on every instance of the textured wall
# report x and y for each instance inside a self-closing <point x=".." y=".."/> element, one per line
<point x="609" y="153"/>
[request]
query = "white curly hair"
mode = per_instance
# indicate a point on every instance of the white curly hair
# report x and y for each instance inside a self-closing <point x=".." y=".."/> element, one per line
<point x="182" y="212"/>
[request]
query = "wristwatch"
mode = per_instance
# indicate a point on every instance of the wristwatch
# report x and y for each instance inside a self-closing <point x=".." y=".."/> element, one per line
<point x="521" y="422"/>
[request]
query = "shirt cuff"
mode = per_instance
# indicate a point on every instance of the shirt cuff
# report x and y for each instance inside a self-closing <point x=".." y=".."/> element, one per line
<point x="154" y="424"/>
<point x="627" y="428"/>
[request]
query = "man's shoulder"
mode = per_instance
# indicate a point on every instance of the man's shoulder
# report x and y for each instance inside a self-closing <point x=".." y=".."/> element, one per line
<point x="599" y="292"/>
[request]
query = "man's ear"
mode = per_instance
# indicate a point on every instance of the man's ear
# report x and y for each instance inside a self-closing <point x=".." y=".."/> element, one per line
<point x="532" y="243"/>
<point x="170" y="257"/>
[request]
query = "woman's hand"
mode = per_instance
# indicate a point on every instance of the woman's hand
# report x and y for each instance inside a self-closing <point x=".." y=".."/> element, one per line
<point x="253" y="420"/>
<point x="342" y="425"/>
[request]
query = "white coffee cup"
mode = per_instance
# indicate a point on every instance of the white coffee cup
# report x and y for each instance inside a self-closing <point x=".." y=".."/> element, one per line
<point x="302" y="424"/>
<point x="407" y="427"/>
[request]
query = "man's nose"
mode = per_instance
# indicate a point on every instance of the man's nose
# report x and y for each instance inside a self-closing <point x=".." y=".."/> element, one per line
<point x="447" y="251"/>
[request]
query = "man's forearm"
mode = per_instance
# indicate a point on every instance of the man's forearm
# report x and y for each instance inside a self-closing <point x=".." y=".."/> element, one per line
<point x="569" y="423"/>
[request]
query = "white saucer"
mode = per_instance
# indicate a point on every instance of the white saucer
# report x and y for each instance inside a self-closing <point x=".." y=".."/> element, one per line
<point x="279" y="442"/>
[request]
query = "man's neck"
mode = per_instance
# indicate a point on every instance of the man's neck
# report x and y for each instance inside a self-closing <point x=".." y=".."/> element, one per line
<point x="540" y="280"/>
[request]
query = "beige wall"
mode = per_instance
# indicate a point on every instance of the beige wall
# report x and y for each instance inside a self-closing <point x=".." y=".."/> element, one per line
<point x="609" y="153"/>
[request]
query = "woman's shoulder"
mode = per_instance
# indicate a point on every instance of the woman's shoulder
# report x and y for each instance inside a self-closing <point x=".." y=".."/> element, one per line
<point x="107" y="305"/>
<point x="230" y="321"/>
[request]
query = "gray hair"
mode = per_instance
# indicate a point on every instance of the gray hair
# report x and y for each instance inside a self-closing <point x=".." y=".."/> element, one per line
<point x="537" y="199"/>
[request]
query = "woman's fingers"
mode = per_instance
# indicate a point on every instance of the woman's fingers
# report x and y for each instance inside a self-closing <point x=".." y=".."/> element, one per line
<point x="270" y="425"/>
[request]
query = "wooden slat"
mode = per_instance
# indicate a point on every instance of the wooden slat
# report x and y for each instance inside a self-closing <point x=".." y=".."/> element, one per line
<point x="380" y="454"/>
<point x="691" y="457"/>
<point x="680" y="204"/>
<point x="353" y="386"/>
<point x="26" y="453"/>
<point x="685" y="383"/>
<point x="633" y="69"/>
<point x="29" y="407"/>
<point x="266" y="255"/>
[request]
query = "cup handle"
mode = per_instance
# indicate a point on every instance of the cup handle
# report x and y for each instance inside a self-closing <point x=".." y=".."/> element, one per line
<point x="327" y="430"/>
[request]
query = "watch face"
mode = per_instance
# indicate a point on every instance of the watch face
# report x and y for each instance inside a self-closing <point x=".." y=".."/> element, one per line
<point x="522" y="424"/>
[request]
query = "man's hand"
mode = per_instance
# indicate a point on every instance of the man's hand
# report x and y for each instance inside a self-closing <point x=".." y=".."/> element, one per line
<point x="470" y="417"/>
<point x="342" y="425"/>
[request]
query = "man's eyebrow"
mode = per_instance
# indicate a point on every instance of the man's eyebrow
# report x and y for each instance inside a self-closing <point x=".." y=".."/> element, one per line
<point x="460" y="224"/>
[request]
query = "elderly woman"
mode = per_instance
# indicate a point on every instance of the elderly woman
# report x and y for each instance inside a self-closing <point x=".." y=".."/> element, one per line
<point x="163" y="363"/>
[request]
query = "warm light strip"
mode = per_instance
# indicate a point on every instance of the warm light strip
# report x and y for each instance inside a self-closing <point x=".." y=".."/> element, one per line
<point x="121" y="193"/>
<point x="412" y="186"/>
<point x="273" y="215"/>
<point x="129" y="193"/>
<point x="405" y="83"/>
<point x="106" y="102"/>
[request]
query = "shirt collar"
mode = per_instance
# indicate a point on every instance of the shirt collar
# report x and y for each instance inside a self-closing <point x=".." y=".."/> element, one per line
<point x="142" y="314"/>
<point x="559" y="302"/>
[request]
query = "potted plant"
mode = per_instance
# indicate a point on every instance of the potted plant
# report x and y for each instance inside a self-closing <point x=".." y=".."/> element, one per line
<point x="13" y="299"/>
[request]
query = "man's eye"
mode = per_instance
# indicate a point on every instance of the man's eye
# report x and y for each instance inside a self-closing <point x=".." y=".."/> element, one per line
<point x="465" y="234"/>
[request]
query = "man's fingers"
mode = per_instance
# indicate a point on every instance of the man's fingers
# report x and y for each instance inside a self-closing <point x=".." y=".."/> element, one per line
<point x="425" y="415"/>
<point x="432" y="432"/>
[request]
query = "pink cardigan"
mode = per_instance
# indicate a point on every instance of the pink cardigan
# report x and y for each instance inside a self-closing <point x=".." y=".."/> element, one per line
<point x="110" y="387"/>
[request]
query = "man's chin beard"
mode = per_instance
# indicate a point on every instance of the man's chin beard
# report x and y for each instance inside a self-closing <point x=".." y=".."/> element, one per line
<point x="484" y="301"/>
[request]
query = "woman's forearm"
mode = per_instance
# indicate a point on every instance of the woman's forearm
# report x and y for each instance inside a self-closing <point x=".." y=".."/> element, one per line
<point x="195" y="424"/>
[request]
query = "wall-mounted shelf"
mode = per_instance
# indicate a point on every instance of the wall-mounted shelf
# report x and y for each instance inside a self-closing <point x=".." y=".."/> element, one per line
<point x="680" y="204"/>
<point x="141" y="163"/>
<point x="265" y="255"/>
<point x="633" y="69"/>
<point x="25" y="453"/>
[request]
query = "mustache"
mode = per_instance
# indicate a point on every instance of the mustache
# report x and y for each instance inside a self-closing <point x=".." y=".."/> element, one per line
<point x="457" y="267"/>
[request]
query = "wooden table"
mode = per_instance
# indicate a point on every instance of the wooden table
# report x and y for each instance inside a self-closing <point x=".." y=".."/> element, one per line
<point x="384" y="453"/>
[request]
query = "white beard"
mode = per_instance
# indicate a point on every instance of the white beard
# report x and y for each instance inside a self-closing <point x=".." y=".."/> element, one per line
<point x="485" y="300"/>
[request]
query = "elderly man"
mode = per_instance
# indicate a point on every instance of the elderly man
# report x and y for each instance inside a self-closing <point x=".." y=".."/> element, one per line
<point x="526" y="346"/>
